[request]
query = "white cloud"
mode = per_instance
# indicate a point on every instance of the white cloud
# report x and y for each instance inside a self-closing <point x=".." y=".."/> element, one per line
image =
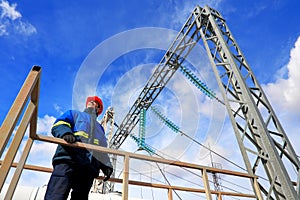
<point x="44" y="124"/>
<point x="25" y="28"/>
<point x="3" y="30"/>
<point x="284" y="93"/>
<point x="284" y="96"/>
<point x="40" y="154"/>
<point x="9" y="11"/>
<point x="58" y="109"/>
<point x="183" y="11"/>
<point x="11" y="21"/>
<point x="40" y="149"/>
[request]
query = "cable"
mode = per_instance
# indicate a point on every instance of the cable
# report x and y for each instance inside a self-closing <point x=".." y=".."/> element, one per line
<point x="212" y="95"/>
<point x="236" y="184"/>
<point x="202" y="86"/>
<point x="176" y="129"/>
<point x="141" y="187"/>
<point x="208" y="180"/>
<point x="166" y="179"/>
<point x="194" y="174"/>
<point x="164" y="176"/>
<point x="155" y="178"/>
<point x="156" y="150"/>
<point x="186" y="135"/>
<point x="177" y="176"/>
<point x="151" y="187"/>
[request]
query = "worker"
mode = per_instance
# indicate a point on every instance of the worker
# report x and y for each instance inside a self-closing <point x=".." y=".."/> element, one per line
<point x="75" y="168"/>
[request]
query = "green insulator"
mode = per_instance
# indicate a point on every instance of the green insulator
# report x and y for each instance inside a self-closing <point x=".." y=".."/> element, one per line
<point x="142" y="128"/>
<point x="147" y="148"/>
<point x="166" y="121"/>
<point x="197" y="82"/>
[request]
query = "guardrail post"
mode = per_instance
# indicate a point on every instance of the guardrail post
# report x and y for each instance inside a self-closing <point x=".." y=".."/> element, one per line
<point x="125" y="178"/>
<point x="170" y="194"/>
<point x="206" y="185"/>
<point x="257" y="189"/>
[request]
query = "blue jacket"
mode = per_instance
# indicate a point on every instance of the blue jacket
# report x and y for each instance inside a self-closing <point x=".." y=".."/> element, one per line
<point x="80" y="124"/>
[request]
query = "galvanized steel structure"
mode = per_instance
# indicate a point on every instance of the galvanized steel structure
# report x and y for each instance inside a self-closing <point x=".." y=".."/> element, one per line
<point x="264" y="145"/>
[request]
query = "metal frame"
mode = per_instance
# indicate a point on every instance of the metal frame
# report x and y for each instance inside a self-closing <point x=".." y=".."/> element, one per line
<point x="258" y="130"/>
<point x="29" y="94"/>
<point x="127" y="156"/>
<point x="184" y="42"/>
<point x="264" y="145"/>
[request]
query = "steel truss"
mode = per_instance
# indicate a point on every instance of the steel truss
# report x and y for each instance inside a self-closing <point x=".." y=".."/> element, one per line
<point x="184" y="42"/>
<point x="264" y="145"/>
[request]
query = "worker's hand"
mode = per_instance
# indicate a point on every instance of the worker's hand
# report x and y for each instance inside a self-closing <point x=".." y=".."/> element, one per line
<point x="69" y="138"/>
<point x="107" y="172"/>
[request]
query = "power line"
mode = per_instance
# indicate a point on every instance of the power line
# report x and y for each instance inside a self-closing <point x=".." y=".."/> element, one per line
<point x="192" y="173"/>
<point x="163" y="173"/>
<point x="182" y="133"/>
<point x="176" y="129"/>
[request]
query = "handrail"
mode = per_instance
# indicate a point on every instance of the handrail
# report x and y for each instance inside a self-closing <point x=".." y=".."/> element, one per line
<point x="141" y="157"/>
<point x="29" y="96"/>
<point x="28" y="90"/>
<point x="128" y="155"/>
<point x="141" y="183"/>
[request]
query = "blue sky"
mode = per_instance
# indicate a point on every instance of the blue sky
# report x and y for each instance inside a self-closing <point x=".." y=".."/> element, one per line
<point x="78" y="43"/>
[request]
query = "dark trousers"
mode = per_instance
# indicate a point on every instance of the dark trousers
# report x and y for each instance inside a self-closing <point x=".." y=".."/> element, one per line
<point x="66" y="177"/>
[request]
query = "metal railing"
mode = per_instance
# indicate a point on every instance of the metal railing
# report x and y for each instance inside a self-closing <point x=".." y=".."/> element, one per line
<point x="29" y="94"/>
<point x="26" y="103"/>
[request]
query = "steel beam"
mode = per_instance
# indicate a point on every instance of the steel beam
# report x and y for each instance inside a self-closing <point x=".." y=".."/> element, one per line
<point x="257" y="129"/>
<point x="175" y="55"/>
<point x="253" y="119"/>
<point x="15" y="111"/>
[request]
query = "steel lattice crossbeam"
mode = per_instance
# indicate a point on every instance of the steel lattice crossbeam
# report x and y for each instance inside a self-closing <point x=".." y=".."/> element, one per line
<point x="262" y="140"/>
<point x="265" y="147"/>
<point x="175" y="55"/>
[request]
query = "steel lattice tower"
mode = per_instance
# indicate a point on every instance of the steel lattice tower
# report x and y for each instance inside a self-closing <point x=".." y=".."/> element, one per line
<point x="264" y="145"/>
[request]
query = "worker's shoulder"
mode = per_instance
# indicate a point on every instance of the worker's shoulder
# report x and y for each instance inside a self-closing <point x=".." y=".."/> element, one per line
<point x="75" y="115"/>
<point x="76" y="112"/>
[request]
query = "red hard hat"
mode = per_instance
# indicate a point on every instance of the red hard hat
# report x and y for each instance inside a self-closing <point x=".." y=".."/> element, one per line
<point x="96" y="99"/>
